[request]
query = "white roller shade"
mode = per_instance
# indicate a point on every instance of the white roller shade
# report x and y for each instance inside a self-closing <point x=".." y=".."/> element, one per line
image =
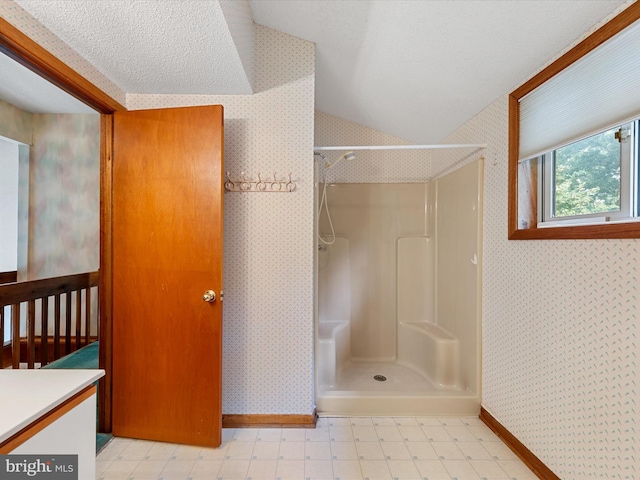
<point x="600" y="90"/>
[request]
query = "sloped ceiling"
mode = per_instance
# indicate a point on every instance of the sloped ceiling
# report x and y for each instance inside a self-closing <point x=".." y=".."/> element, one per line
<point x="420" y="69"/>
<point x="416" y="69"/>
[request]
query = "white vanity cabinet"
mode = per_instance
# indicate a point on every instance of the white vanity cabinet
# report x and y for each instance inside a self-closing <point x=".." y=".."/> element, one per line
<point x="50" y="412"/>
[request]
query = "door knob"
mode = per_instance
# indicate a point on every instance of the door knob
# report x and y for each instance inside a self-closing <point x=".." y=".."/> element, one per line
<point x="209" y="296"/>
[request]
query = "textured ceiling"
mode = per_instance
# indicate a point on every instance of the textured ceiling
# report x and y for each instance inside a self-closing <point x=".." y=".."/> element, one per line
<point x="415" y="69"/>
<point x="151" y="46"/>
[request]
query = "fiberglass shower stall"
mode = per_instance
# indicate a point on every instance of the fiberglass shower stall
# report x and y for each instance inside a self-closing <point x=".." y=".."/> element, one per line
<point x="398" y="324"/>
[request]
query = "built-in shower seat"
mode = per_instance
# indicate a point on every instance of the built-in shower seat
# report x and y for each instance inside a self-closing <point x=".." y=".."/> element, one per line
<point x="333" y="351"/>
<point x="433" y="351"/>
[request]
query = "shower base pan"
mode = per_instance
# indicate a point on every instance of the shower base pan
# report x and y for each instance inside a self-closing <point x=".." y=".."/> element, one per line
<point x="403" y="392"/>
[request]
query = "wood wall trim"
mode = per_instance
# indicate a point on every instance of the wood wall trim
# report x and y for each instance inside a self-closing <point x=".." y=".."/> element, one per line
<point x="6" y="355"/>
<point x="612" y="230"/>
<point x="8" y="277"/>
<point x="25" y="51"/>
<point x="269" y="421"/>
<point x="528" y="458"/>
<point x="41" y="423"/>
<point x="105" y="353"/>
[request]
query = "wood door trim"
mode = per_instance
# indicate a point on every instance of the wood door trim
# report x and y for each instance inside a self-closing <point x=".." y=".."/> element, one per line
<point x="270" y="421"/>
<point x="527" y="457"/>
<point x="47" y="419"/>
<point x="105" y="351"/>
<point x="28" y="53"/>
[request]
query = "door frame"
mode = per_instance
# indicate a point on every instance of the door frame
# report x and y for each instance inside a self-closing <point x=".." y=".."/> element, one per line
<point x="28" y="53"/>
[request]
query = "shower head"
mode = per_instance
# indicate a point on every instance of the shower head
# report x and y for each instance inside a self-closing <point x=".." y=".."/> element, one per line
<point x="350" y="155"/>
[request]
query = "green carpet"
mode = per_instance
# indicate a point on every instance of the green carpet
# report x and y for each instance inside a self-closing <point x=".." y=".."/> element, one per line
<point x="86" y="357"/>
<point x="101" y="440"/>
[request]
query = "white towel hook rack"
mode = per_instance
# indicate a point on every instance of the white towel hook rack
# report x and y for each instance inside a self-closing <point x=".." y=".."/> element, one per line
<point x="259" y="185"/>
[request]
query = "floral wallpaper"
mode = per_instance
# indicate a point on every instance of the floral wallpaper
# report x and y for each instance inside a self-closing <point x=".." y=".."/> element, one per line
<point x="64" y="214"/>
<point x="15" y="123"/>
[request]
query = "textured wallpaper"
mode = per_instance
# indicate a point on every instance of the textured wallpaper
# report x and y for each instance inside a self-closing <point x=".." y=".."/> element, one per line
<point x="561" y="323"/>
<point x="391" y="166"/>
<point x="269" y="245"/>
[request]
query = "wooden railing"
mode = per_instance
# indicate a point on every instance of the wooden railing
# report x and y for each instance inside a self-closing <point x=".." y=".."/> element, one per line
<point x="8" y="277"/>
<point x="38" y="293"/>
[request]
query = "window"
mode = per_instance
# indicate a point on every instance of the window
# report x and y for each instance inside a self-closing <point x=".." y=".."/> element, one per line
<point x="573" y="140"/>
<point x="590" y="181"/>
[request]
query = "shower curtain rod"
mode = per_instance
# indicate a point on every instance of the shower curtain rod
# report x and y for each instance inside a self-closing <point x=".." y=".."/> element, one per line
<point x="402" y="147"/>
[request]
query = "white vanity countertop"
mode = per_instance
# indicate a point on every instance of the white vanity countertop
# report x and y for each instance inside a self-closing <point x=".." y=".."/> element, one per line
<point x="26" y="395"/>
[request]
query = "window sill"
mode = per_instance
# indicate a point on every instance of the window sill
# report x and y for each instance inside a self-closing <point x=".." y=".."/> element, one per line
<point x="628" y="229"/>
<point x="586" y="222"/>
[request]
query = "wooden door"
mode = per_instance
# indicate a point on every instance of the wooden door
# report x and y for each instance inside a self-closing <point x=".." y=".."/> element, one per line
<point x="167" y="252"/>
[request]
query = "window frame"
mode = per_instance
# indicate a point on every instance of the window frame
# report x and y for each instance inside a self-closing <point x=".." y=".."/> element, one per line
<point x="523" y="198"/>
<point x="546" y="186"/>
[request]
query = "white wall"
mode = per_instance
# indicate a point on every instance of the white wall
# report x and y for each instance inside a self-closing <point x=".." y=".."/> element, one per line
<point x="8" y="215"/>
<point x="269" y="244"/>
<point x="561" y="323"/>
<point x="8" y="206"/>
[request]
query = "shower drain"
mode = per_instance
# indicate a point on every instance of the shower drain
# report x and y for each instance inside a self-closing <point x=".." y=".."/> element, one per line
<point x="380" y="378"/>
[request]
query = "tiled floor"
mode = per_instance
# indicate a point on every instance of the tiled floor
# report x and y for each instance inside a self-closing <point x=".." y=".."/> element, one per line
<point x="338" y="449"/>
